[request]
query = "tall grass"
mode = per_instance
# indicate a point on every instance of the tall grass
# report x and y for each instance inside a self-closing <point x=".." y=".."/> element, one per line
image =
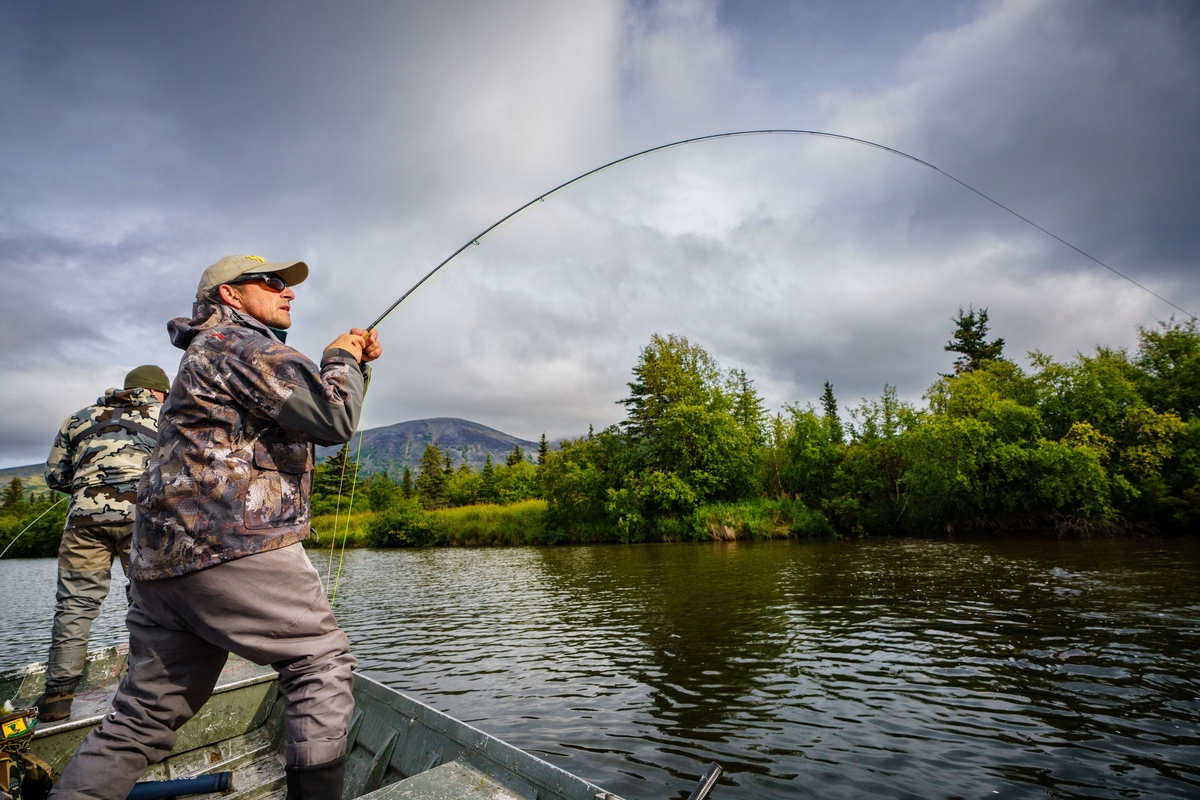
<point x="514" y="524"/>
<point x="357" y="525"/>
<point x="407" y="525"/>
<point x="759" y="519"/>
<point x="524" y="523"/>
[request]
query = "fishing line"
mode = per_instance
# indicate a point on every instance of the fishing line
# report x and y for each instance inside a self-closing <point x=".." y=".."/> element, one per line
<point x="336" y="510"/>
<point x="478" y="238"/>
<point x="30" y="525"/>
<point x="512" y="216"/>
<point x="349" y="508"/>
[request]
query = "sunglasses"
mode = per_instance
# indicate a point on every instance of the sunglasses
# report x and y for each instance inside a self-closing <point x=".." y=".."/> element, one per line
<point x="270" y="281"/>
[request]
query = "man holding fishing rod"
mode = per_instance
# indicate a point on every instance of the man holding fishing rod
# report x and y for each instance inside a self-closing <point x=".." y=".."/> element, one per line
<point x="217" y="565"/>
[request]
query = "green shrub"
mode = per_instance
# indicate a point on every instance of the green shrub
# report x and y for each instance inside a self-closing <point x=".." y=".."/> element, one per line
<point x="405" y="525"/>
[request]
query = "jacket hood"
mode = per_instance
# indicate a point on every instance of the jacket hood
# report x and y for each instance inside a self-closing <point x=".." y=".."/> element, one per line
<point x="125" y="398"/>
<point x="206" y="315"/>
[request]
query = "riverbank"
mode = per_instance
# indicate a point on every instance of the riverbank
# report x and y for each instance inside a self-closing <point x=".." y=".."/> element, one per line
<point x="528" y="523"/>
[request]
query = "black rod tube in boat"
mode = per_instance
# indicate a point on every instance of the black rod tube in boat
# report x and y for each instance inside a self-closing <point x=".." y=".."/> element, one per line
<point x="182" y="787"/>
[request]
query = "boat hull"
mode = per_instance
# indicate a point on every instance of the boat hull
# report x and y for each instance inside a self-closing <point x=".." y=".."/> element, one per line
<point x="398" y="748"/>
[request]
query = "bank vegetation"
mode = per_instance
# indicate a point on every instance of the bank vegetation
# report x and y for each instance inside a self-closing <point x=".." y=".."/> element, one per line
<point x="1105" y="442"/>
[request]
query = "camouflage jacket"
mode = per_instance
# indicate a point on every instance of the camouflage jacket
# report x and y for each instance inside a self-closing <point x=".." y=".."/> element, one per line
<point x="100" y="453"/>
<point x="232" y="473"/>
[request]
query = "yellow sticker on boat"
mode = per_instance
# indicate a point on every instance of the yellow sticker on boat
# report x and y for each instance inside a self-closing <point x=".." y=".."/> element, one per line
<point x="14" y="728"/>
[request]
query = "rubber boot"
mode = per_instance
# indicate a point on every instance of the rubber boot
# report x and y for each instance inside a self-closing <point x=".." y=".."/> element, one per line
<point x="54" y="704"/>
<point x="317" y="782"/>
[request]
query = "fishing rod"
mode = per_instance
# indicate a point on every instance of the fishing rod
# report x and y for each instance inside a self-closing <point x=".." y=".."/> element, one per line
<point x="478" y="238"/>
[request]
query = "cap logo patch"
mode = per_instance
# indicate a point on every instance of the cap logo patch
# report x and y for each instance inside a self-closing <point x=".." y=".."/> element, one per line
<point x="259" y="259"/>
<point x="219" y="336"/>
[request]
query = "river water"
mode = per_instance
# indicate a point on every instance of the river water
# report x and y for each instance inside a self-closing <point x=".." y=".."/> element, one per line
<point x="894" y="668"/>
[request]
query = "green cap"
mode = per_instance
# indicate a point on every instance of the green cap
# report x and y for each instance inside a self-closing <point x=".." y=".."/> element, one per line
<point x="231" y="268"/>
<point x="148" y="376"/>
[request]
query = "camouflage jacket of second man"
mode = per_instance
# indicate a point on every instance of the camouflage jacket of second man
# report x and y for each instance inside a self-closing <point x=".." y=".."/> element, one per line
<point x="232" y="473"/>
<point x="100" y="453"/>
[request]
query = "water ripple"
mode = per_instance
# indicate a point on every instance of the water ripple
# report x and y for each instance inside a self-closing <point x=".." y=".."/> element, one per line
<point x="858" y="669"/>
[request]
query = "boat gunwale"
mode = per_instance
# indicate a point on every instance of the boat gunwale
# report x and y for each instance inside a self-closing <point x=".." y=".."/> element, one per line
<point x="84" y="722"/>
<point x="39" y="667"/>
<point x="458" y="731"/>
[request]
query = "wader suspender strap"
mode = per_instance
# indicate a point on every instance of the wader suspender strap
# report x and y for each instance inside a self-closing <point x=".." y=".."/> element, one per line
<point x="119" y="420"/>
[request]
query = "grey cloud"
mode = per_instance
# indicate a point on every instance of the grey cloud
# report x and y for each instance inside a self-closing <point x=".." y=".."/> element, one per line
<point x="372" y="140"/>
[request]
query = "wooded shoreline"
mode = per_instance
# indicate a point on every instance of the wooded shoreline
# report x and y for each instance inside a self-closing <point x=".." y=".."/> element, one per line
<point x="1107" y="442"/>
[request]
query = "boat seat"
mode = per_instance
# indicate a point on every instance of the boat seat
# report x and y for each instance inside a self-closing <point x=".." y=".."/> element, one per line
<point x="452" y="781"/>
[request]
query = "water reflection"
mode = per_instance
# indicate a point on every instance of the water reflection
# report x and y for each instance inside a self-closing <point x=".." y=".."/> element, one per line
<point x="888" y="669"/>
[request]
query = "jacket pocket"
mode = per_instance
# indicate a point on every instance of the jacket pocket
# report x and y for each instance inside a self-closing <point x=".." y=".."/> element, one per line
<point x="277" y="494"/>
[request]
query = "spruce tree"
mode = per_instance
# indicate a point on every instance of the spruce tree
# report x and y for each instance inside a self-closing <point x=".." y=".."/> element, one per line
<point x="543" y="449"/>
<point x="406" y="484"/>
<point x="487" y="491"/>
<point x="333" y="474"/>
<point x="970" y="341"/>
<point x="14" y="493"/>
<point x="747" y="405"/>
<point x="432" y="482"/>
<point x="515" y="457"/>
<point x="830" y="415"/>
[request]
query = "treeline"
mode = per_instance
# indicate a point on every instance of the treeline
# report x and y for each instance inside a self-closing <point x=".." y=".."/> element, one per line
<point x="405" y="512"/>
<point x="437" y="484"/>
<point x="1104" y="441"/>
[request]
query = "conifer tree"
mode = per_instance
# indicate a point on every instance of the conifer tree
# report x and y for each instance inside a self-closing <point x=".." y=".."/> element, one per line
<point x="830" y="414"/>
<point x="747" y="405"/>
<point x="543" y="449"/>
<point x="382" y="492"/>
<point x="970" y="341"/>
<point x="432" y="488"/>
<point x="515" y="457"/>
<point x="14" y="493"/>
<point x="406" y="484"/>
<point x="487" y="492"/>
<point x="328" y="477"/>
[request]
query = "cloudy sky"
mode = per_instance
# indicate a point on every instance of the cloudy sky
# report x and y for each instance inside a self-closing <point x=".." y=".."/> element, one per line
<point x="143" y="141"/>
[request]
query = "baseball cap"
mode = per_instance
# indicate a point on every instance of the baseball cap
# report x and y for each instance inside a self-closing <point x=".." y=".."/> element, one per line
<point x="232" y="267"/>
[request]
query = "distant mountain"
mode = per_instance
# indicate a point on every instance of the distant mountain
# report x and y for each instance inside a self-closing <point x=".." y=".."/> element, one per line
<point x="27" y="471"/>
<point x="392" y="448"/>
<point x="395" y="447"/>
<point x="30" y="474"/>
